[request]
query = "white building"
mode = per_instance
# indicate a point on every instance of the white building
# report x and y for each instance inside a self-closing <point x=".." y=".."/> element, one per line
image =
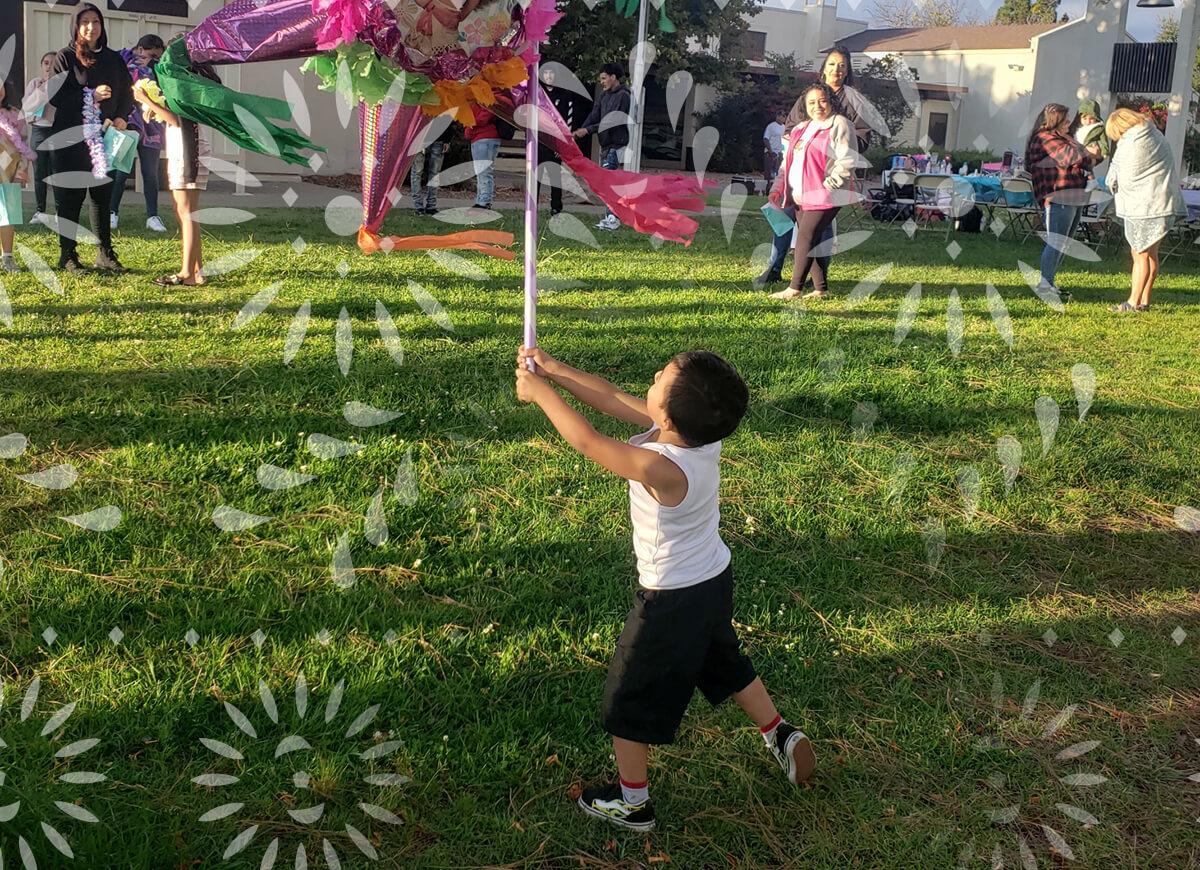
<point x="981" y="87"/>
<point x="47" y="28"/>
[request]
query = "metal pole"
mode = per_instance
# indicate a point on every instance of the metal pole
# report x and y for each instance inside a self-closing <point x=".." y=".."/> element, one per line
<point x="637" y="108"/>
<point x="1179" y="106"/>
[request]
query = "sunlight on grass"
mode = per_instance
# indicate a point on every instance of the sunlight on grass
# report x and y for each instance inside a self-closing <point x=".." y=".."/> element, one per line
<point x="927" y="524"/>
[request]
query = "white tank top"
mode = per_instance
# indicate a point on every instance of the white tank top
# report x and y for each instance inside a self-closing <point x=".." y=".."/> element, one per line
<point x="679" y="546"/>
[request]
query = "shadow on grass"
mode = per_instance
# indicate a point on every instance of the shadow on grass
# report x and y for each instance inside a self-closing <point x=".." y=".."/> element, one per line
<point x="909" y="714"/>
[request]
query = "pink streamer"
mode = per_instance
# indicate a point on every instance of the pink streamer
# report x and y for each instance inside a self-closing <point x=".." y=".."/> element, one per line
<point x="343" y="21"/>
<point x="649" y="203"/>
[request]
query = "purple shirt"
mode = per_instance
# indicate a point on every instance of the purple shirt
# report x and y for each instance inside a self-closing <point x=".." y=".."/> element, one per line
<point x="151" y="132"/>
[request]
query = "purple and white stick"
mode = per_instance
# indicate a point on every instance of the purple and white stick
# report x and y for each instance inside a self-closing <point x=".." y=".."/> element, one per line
<point x="531" y="198"/>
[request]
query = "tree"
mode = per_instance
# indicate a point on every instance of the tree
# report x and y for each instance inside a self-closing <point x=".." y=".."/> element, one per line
<point x="922" y="13"/>
<point x="1044" y="12"/>
<point x="588" y="37"/>
<point x="1168" y="31"/>
<point x="879" y="82"/>
<point x="1027" y="12"/>
<point x="742" y="110"/>
<point x="1013" y="12"/>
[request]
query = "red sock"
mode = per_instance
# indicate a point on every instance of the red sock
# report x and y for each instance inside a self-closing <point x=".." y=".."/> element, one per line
<point x="635" y="792"/>
<point x="768" y="731"/>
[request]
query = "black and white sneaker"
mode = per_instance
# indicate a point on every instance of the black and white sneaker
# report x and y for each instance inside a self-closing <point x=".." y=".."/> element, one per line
<point x="608" y="802"/>
<point x="794" y="753"/>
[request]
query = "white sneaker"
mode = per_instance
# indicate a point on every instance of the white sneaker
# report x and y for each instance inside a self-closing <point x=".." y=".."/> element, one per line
<point x="155" y="223"/>
<point x="609" y="223"/>
<point x="8" y="264"/>
<point x="38" y="217"/>
<point x="112" y="220"/>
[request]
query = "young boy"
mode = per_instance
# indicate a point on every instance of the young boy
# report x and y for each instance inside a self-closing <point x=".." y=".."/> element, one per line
<point x="679" y="634"/>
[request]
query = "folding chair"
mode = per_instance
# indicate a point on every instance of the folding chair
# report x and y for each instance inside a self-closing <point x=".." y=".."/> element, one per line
<point x="934" y="195"/>
<point x="1094" y="222"/>
<point x="1017" y="206"/>
<point x="1183" y="239"/>
<point x="902" y="193"/>
<point x="865" y="199"/>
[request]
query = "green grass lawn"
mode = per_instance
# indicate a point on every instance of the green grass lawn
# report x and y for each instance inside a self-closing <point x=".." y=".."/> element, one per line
<point x="944" y="639"/>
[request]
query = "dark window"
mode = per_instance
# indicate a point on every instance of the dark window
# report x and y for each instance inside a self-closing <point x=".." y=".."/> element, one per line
<point x="938" y="121"/>
<point x="751" y="45"/>
<point x="1142" y="67"/>
<point x="175" y="8"/>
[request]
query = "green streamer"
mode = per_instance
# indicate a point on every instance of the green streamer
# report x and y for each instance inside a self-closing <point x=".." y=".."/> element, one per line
<point x="241" y="117"/>
<point x="357" y="74"/>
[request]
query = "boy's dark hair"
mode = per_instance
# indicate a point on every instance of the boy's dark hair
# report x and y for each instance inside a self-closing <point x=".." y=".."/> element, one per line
<point x="151" y="41"/>
<point x="612" y="69"/>
<point x="708" y="398"/>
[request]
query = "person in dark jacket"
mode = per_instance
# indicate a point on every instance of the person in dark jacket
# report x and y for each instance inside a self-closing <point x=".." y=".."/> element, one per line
<point x="87" y="69"/>
<point x="564" y="102"/>
<point x="614" y="99"/>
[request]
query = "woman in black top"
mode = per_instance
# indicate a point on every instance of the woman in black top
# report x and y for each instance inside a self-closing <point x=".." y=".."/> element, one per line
<point x="86" y="62"/>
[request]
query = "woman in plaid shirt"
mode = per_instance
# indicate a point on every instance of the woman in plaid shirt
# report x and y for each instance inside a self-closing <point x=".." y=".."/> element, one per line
<point x="1059" y="168"/>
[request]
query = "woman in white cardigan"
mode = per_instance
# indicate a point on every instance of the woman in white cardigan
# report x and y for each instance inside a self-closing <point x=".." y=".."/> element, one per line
<point x="1145" y="183"/>
<point x="818" y="166"/>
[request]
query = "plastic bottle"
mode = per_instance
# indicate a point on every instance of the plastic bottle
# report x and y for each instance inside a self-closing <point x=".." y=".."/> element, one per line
<point x="962" y="170"/>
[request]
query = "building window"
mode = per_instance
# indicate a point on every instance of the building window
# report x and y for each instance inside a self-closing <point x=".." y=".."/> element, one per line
<point x="1144" y="67"/>
<point x="171" y="8"/>
<point x="938" y="122"/>
<point x="751" y="45"/>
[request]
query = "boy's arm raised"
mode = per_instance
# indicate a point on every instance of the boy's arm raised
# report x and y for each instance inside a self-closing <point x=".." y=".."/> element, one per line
<point x="590" y="389"/>
<point x="663" y="478"/>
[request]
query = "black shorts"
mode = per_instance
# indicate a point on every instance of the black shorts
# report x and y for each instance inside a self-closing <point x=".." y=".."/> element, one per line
<point x="674" y="642"/>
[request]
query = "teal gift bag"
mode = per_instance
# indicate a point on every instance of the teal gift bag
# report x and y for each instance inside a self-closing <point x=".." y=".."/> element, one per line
<point x="778" y="219"/>
<point x="10" y="205"/>
<point x="120" y="146"/>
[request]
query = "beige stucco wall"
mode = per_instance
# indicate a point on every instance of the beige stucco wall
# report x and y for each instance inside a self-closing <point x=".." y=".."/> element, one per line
<point x="802" y="32"/>
<point x="47" y="29"/>
<point x="994" y="111"/>
<point x="1074" y="62"/>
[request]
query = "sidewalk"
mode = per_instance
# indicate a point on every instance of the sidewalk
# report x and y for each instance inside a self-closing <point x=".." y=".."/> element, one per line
<point x="299" y="193"/>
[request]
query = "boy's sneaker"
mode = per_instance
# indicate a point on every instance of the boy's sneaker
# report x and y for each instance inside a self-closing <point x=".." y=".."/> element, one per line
<point x="609" y="222"/>
<point x="113" y="220"/>
<point x="155" y="224"/>
<point x="794" y="753"/>
<point x="38" y="218"/>
<point x="608" y="802"/>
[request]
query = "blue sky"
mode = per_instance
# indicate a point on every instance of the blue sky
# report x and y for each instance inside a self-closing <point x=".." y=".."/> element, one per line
<point x="1143" y="23"/>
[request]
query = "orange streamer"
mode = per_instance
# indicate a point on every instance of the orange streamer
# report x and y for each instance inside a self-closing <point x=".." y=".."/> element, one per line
<point x="491" y="242"/>
<point x="458" y="98"/>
